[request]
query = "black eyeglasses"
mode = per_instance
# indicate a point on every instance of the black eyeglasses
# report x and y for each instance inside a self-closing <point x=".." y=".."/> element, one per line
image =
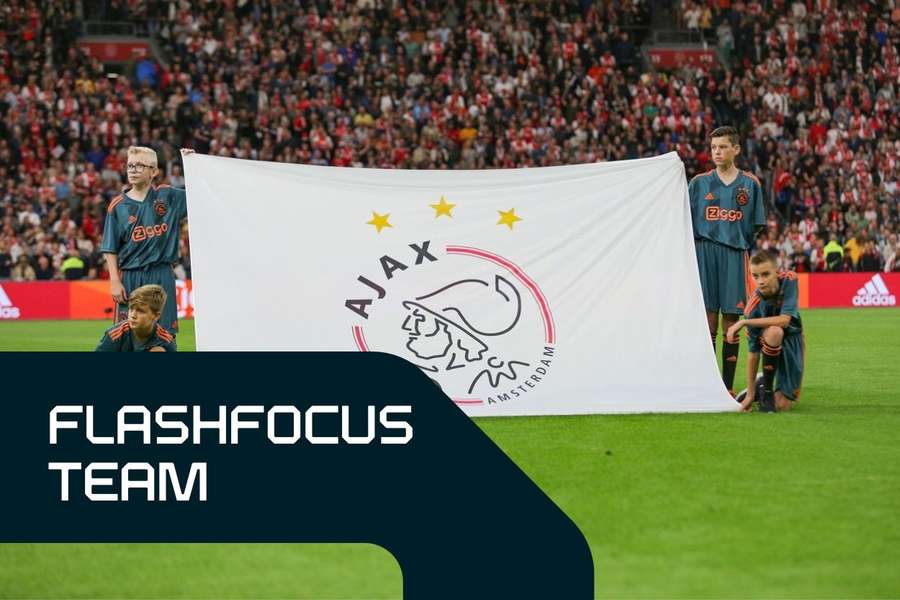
<point x="137" y="167"/>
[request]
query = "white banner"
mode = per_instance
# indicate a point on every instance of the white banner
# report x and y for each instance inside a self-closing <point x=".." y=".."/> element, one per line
<point x="559" y="290"/>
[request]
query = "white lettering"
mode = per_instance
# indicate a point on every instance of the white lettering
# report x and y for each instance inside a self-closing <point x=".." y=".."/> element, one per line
<point x="345" y="426"/>
<point x="64" y="468"/>
<point x="387" y="423"/>
<point x="168" y="473"/>
<point x="221" y="424"/>
<point x="295" y="424"/>
<point x="147" y="483"/>
<point x="123" y="426"/>
<point x="90" y="482"/>
<point x="89" y="417"/>
<point x="56" y="424"/>
<point x="237" y="424"/>
<point x="310" y="414"/>
<point x="161" y="413"/>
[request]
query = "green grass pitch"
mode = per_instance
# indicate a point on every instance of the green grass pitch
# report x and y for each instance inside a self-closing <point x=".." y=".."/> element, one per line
<point x="795" y="505"/>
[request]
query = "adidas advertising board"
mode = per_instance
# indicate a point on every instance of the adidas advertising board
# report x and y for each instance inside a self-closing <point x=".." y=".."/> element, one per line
<point x="874" y="293"/>
<point x="857" y="290"/>
<point x="7" y="309"/>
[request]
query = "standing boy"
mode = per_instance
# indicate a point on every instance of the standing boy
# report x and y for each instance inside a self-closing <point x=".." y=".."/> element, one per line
<point x="727" y="211"/>
<point x="140" y="237"/>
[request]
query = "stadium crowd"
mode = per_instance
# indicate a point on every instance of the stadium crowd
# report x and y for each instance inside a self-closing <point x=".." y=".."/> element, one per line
<point x="451" y="85"/>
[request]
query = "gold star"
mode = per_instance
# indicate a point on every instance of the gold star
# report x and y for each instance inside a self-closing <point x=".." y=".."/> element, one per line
<point x="379" y="221"/>
<point x="508" y="217"/>
<point x="442" y="208"/>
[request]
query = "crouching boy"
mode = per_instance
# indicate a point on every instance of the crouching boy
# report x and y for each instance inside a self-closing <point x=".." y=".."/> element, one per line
<point x="772" y="319"/>
<point x="142" y="331"/>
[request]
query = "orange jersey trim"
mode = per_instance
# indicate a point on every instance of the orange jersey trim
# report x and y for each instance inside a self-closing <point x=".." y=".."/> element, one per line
<point x="115" y="202"/>
<point x="751" y="305"/>
<point x="163" y="334"/>
<point x="119" y="331"/>
<point x="162" y="186"/>
<point x="753" y="177"/>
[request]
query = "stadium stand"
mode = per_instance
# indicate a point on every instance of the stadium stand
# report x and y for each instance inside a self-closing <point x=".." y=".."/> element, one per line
<point x="448" y="85"/>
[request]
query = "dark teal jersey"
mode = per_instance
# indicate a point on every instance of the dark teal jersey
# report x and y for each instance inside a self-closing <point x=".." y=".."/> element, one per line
<point x="120" y="338"/>
<point x="145" y="233"/>
<point x="785" y="302"/>
<point x="727" y="214"/>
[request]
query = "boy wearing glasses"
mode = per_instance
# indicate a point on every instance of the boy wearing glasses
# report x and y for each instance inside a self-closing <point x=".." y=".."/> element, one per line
<point x="140" y="236"/>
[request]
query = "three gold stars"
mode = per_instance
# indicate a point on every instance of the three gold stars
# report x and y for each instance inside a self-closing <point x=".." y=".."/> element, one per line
<point x="379" y="221"/>
<point x="507" y="217"/>
<point x="442" y="208"/>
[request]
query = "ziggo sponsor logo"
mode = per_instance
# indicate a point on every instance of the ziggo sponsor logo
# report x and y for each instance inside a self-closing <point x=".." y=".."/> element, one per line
<point x="714" y="213"/>
<point x="141" y="233"/>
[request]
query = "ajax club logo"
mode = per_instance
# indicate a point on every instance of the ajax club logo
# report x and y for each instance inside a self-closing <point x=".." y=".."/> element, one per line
<point x="742" y="196"/>
<point x="471" y="319"/>
<point x="159" y="207"/>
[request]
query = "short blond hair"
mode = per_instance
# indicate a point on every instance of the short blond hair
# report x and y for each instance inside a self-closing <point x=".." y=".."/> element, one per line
<point x="149" y="152"/>
<point x="152" y="296"/>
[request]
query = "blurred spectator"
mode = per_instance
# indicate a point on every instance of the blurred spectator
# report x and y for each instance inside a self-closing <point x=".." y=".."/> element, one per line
<point x="6" y="261"/>
<point x="893" y="263"/>
<point x="23" y="271"/>
<point x="848" y="266"/>
<point x="817" y="256"/>
<point x="176" y="179"/>
<point x="888" y="247"/>
<point x="870" y="259"/>
<point x="146" y="72"/>
<point x="73" y="267"/>
<point x="800" y="261"/>
<point x="854" y="249"/>
<point x="45" y="270"/>
<point x="834" y="255"/>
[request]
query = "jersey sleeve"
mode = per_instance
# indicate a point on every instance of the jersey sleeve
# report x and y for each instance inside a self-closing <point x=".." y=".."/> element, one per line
<point x="693" y="193"/>
<point x="110" y="243"/>
<point x="791" y="292"/>
<point x="759" y="208"/>
<point x="107" y="344"/>
<point x="178" y="200"/>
